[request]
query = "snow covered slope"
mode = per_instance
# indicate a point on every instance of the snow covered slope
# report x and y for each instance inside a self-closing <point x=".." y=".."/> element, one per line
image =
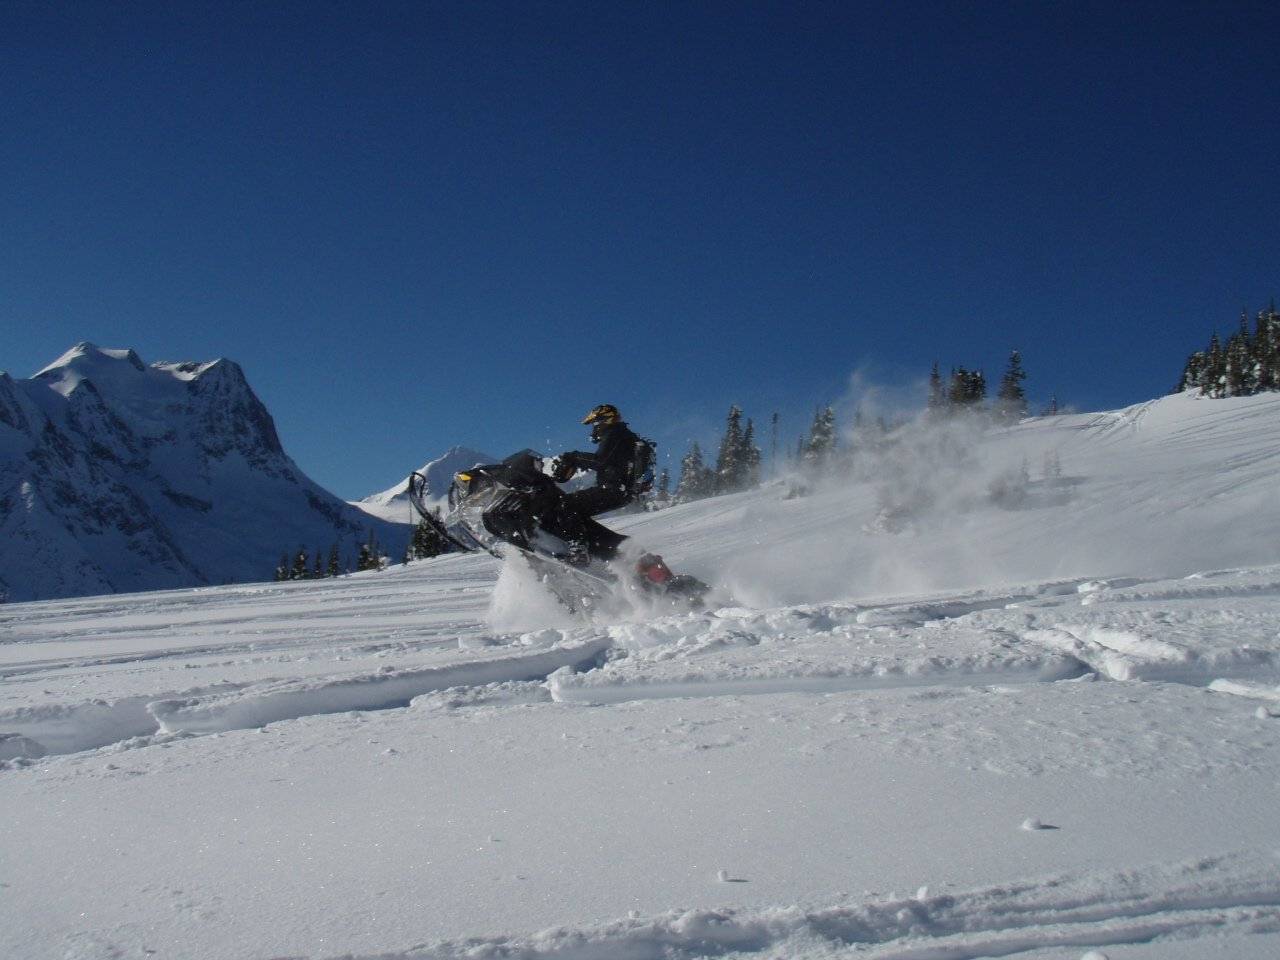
<point x="955" y="713"/>
<point x="393" y="504"/>
<point x="116" y="476"/>
<point x="1170" y="486"/>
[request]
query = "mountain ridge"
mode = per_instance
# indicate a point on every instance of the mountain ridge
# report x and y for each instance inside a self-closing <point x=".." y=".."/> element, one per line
<point x="116" y="475"/>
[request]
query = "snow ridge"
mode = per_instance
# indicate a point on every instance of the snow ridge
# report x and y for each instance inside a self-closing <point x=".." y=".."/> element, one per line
<point x="1235" y="893"/>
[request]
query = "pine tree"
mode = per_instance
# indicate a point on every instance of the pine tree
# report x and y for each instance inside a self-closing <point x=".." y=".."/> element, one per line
<point x="332" y="568"/>
<point x="317" y="566"/>
<point x="1239" y="376"/>
<point x="282" y="568"/>
<point x="729" y="464"/>
<point x="1192" y="372"/>
<point x="750" y="456"/>
<point x="696" y="480"/>
<point x="822" y="438"/>
<point x="299" y="570"/>
<point x="1260" y="354"/>
<point x="1012" y="399"/>
<point x="664" y="486"/>
<point x="1249" y="363"/>
<point x="1266" y="348"/>
<point x="773" y="446"/>
<point x="1213" y="373"/>
<point x="426" y="542"/>
<point x="370" y="557"/>
<point x="967" y="390"/>
<point x="937" y="396"/>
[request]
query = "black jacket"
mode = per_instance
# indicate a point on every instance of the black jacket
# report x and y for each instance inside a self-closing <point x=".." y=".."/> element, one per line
<point x="615" y="453"/>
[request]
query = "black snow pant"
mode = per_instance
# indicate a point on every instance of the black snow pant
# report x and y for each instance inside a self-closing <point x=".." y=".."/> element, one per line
<point x="574" y="521"/>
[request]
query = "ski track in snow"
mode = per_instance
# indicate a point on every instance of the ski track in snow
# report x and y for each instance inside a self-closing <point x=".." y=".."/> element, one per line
<point x="1016" y="636"/>
<point x="1240" y="892"/>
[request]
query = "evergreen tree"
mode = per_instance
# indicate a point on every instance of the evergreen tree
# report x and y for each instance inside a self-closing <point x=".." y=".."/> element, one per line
<point x="967" y="390"/>
<point x="1213" y="373"/>
<point x="822" y="438"/>
<point x="696" y="479"/>
<point x="1260" y="353"/>
<point x="1192" y="372"/>
<point x="729" y="464"/>
<point x="664" y="486"/>
<point x="937" y="396"/>
<point x="1012" y="399"/>
<point x="773" y="446"/>
<point x="332" y="569"/>
<point x="750" y="456"/>
<point x="299" y="570"/>
<point x="1249" y="363"/>
<point x="282" y="568"/>
<point x="1266" y="348"/>
<point x="426" y="542"/>
<point x="370" y="557"/>
<point x="1239" y="376"/>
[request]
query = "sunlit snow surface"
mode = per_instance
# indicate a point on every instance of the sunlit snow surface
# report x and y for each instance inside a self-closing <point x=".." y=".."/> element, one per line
<point x="930" y="725"/>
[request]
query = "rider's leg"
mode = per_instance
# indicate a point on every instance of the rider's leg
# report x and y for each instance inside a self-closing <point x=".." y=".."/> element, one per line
<point x="576" y="511"/>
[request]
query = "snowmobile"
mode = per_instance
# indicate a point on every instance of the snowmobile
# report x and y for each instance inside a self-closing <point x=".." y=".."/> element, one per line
<point x="515" y="508"/>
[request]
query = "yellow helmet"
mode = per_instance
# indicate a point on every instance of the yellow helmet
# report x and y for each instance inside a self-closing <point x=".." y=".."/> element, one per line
<point x="604" y="413"/>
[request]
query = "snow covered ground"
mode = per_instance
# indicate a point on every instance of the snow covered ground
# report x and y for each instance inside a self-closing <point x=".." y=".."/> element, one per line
<point x="954" y="711"/>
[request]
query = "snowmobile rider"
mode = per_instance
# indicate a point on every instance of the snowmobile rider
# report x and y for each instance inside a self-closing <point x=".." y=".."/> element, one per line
<point x="614" y="465"/>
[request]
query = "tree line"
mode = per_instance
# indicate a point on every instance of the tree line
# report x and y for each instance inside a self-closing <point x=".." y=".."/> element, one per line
<point x="1249" y="363"/>
<point x="965" y="391"/>
<point x="738" y="460"/>
<point x="737" y="464"/>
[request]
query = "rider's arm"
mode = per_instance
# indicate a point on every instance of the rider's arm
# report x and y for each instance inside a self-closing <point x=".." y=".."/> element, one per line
<point x="567" y="464"/>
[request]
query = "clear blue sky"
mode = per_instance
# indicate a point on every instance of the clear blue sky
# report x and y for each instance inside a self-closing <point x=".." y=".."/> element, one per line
<point x="423" y="224"/>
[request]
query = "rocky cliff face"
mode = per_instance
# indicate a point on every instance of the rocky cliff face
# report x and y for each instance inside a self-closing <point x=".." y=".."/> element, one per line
<point x="116" y="476"/>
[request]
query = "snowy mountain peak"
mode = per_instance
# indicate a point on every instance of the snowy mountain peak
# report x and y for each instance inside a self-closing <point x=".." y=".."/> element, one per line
<point x="393" y="503"/>
<point x="85" y="357"/>
<point x="130" y="476"/>
<point x="104" y="368"/>
<point x="87" y="361"/>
